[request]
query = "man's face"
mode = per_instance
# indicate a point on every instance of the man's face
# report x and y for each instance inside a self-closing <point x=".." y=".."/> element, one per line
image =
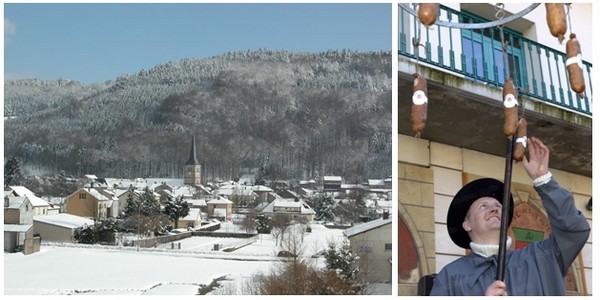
<point x="482" y="222"/>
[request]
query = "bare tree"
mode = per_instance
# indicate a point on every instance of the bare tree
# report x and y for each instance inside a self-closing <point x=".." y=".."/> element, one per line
<point x="280" y="224"/>
<point x="249" y="223"/>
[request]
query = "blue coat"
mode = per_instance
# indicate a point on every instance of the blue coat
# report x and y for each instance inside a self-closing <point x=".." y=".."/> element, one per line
<point x="536" y="270"/>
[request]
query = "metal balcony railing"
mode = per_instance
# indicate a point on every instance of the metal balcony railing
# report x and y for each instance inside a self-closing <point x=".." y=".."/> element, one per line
<point x="477" y="54"/>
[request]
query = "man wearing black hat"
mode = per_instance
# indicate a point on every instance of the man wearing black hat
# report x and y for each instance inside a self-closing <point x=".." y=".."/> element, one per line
<point x="474" y="223"/>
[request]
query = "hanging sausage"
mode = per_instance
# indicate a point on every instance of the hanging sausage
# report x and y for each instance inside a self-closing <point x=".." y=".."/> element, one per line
<point x="575" y="66"/>
<point x="418" y="111"/>
<point x="557" y="20"/>
<point x="428" y="13"/>
<point x="510" y="107"/>
<point x="521" y="142"/>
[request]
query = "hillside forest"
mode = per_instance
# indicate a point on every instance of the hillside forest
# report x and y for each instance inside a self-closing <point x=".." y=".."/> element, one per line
<point x="276" y="114"/>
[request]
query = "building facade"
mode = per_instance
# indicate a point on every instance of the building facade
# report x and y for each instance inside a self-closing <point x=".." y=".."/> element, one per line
<point x="463" y="138"/>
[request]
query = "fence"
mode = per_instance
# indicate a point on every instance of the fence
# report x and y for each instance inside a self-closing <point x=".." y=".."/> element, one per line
<point x="477" y="54"/>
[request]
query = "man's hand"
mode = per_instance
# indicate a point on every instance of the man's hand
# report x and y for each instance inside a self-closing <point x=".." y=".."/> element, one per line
<point x="539" y="155"/>
<point x="497" y="288"/>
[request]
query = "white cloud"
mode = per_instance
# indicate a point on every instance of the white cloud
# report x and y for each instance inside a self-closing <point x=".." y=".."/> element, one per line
<point x="9" y="27"/>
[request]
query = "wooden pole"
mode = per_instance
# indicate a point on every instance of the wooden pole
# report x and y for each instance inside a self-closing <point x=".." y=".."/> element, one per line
<point x="505" y="208"/>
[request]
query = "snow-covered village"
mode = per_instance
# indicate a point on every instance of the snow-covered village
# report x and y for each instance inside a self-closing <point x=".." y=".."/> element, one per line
<point x="153" y="235"/>
<point x="198" y="149"/>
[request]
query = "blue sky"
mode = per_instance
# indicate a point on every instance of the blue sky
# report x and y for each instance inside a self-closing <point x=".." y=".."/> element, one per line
<point x="98" y="42"/>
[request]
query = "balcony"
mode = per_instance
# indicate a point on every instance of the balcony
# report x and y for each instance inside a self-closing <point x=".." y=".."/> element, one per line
<point x="465" y="73"/>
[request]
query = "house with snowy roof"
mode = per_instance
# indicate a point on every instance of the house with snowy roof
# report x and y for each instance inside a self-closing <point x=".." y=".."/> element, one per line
<point x="372" y="241"/>
<point x="308" y="184"/>
<point x="332" y="183"/>
<point x="18" y="210"/>
<point x="237" y="193"/>
<point x="20" y="237"/>
<point x="292" y="208"/>
<point x="59" y="228"/>
<point x="91" y="203"/>
<point x="219" y="208"/>
<point x="197" y="203"/>
<point x="192" y="220"/>
<point x="39" y="205"/>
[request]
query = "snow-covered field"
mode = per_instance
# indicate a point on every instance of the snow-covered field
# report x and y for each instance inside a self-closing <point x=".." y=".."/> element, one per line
<point x="61" y="269"/>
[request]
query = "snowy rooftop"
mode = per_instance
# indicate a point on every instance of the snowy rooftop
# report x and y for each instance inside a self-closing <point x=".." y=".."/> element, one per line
<point x="97" y="194"/>
<point x="287" y="202"/>
<point x="220" y="200"/>
<point x="235" y="189"/>
<point x="64" y="220"/>
<point x="196" y="202"/>
<point x="307" y="181"/>
<point x="332" y="178"/>
<point x="193" y="215"/>
<point x="25" y="192"/>
<point x="17" y="227"/>
<point x="21" y="191"/>
<point x="261" y="188"/>
<point x="376" y="182"/>
<point x="364" y="227"/>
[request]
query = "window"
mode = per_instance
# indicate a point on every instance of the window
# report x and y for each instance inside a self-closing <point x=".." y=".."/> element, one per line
<point x="82" y="196"/>
<point x="388" y="246"/>
<point x="484" y="54"/>
<point x="366" y="248"/>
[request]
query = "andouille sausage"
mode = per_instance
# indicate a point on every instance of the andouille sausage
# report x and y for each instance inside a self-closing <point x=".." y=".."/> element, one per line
<point x="428" y="13"/>
<point x="575" y="66"/>
<point x="521" y="142"/>
<point x="510" y="107"/>
<point x="418" y="111"/>
<point x="557" y="20"/>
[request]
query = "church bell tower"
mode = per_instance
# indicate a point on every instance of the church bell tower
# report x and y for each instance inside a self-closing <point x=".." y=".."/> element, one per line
<point x="192" y="169"/>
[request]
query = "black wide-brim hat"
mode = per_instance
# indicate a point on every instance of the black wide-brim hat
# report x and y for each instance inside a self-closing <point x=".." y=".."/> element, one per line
<point x="484" y="187"/>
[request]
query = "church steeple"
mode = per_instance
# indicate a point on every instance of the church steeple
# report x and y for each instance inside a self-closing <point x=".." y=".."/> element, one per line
<point x="192" y="159"/>
<point x="192" y="169"/>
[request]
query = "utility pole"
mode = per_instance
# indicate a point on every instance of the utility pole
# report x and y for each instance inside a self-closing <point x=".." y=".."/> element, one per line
<point x="138" y="226"/>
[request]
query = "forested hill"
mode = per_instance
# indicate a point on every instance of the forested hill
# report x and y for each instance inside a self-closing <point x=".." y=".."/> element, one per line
<point x="284" y="115"/>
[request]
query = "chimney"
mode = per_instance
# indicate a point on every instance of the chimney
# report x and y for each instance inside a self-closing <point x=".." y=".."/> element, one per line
<point x="386" y="214"/>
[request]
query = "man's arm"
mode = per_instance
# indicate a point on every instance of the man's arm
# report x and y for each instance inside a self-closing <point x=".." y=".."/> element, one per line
<point x="570" y="230"/>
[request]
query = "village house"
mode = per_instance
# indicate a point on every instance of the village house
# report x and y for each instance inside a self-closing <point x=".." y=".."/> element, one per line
<point x="332" y="184"/>
<point x="19" y="237"/>
<point x="39" y="206"/>
<point x="192" y="220"/>
<point x="372" y="241"/>
<point x="308" y="184"/>
<point x="59" y="228"/>
<point x="17" y="210"/>
<point x="292" y="208"/>
<point x="237" y="193"/>
<point x="90" y="203"/>
<point x="220" y="208"/>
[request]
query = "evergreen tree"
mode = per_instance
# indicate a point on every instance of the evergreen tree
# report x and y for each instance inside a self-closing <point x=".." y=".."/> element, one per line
<point x="324" y="209"/>
<point x="131" y="205"/>
<point x="102" y="231"/>
<point x="86" y="235"/>
<point x="344" y="262"/>
<point x="149" y="206"/>
<point x="176" y="209"/>
<point x="263" y="224"/>
<point x="13" y="175"/>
